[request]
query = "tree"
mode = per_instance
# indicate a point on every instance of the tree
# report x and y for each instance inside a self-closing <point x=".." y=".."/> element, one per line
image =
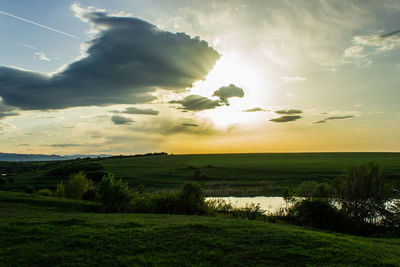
<point x="114" y="193"/>
<point x="362" y="193"/>
<point x="192" y="199"/>
<point x="77" y="184"/>
<point x="60" y="192"/>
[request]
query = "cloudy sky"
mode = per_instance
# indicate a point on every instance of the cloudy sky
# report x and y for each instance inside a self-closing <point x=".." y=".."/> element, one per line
<point x="188" y="76"/>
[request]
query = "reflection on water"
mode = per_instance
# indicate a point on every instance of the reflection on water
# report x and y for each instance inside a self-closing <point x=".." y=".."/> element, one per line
<point x="269" y="204"/>
<point x="272" y="204"/>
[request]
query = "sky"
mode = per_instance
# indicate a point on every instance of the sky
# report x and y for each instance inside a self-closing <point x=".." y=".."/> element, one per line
<point x="186" y="76"/>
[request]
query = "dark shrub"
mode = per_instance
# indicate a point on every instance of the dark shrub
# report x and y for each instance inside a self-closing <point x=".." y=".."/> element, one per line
<point x="114" y="194"/>
<point x="11" y="180"/>
<point x="96" y="175"/>
<point x="323" y="190"/>
<point x="306" y="189"/>
<point x="29" y="190"/>
<point x="196" y="175"/>
<point x="249" y="211"/>
<point x="316" y="213"/>
<point x="191" y="199"/>
<point x="90" y="195"/>
<point x="45" y="192"/>
<point x="2" y="181"/>
<point x="362" y="192"/>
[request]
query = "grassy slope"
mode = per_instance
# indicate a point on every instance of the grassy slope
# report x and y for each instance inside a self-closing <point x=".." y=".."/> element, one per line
<point x="231" y="174"/>
<point x="48" y="231"/>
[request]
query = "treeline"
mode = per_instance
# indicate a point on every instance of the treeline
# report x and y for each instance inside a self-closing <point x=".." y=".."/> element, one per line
<point x="140" y="155"/>
<point x="361" y="201"/>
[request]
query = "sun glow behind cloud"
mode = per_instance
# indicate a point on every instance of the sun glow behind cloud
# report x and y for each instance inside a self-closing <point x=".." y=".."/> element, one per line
<point x="233" y="68"/>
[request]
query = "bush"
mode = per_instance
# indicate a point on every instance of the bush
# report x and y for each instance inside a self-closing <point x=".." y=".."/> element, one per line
<point x="316" y="213"/>
<point x="249" y="211"/>
<point x="90" y="195"/>
<point x="362" y="193"/>
<point x="77" y="184"/>
<point x="2" y="181"/>
<point x="306" y="189"/>
<point x="191" y="198"/>
<point x="29" y="190"/>
<point x="45" y="192"/>
<point x="114" y="194"/>
<point x="162" y="203"/>
<point x="324" y="190"/>
<point x="60" y="191"/>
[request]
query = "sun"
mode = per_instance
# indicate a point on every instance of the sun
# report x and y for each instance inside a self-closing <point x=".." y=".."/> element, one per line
<point x="232" y="68"/>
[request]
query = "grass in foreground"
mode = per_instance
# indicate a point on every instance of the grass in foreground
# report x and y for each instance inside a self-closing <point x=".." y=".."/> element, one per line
<point x="48" y="231"/>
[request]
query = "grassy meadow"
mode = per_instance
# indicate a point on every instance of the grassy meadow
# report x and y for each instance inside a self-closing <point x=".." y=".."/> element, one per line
<point x="225" y="174"/>
<point x="46" y="231"/>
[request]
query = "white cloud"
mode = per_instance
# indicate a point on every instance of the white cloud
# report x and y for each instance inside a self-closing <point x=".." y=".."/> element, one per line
<point x="294" y="79"/>
<point x="42" y="56"/>
<point x="369" y="45"/>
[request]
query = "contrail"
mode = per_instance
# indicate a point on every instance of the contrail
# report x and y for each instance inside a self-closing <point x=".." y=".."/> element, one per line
<point x="37" y="24"/>
<point x="26" y="45"/>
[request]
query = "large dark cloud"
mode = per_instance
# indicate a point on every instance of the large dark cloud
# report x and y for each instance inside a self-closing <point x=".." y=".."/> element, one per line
<point x="127" y="61"/>
<point x="197" y="103"/>
<point x="121" y="120"/>
<point x="288" y="111"/>
<point x="287" y="118"/>
<point x="226" y="92"/>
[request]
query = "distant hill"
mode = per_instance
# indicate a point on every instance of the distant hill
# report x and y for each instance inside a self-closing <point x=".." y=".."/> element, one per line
<point x="41" y="157"/>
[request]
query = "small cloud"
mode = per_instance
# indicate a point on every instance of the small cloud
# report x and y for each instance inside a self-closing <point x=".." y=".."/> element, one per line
<point x="197" y="103"/>
<point x="340" y="117"/>
<point x="190" y="125"/>
<point x="22" y="145"/>
<point x="288" y="111"/>
<point x="134" y="110"/>
<point x="254" y="110"/>
<point x="294" y="79"/>
<point x="369" y="45"/>
<point x="354" y="51"/>
<point x="42" y="56"/>
<point x="64" y="145"/>
<point x="226" y="92"/>
<point x="121" y="120"/>
<point x="334" y="118"/>
<point x="321" y="121"/>
<point x="286" y="118"/>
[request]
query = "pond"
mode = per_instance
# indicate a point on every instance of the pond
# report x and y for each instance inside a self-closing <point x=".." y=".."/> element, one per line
<point x="269" y="204"/>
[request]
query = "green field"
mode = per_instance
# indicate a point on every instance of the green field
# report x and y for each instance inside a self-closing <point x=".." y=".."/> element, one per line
<point x="45" y="231"/>
<point x="229" y="174"/>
